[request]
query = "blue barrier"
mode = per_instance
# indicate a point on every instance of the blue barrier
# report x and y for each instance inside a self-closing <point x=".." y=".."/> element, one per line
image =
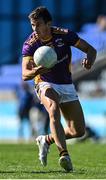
<point x="94" y="111"/>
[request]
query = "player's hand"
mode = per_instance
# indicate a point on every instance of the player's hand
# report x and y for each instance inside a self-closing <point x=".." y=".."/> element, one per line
<point x="41" y="70"/>
<point x="86" y="63"/>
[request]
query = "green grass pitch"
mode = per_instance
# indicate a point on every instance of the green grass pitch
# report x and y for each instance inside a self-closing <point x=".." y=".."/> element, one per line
<point x="20" y="161"/>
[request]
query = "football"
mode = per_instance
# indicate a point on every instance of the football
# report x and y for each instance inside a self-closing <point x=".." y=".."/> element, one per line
<point x="45" y="56"/>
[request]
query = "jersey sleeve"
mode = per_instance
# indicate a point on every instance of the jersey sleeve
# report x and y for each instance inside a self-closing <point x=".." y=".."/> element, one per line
<point x="27" y="50"/>
<point x="71" y="38"/>
<point x="30" y="45"/>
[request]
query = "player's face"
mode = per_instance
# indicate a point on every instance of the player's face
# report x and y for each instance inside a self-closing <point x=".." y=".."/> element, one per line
<point x="40" y="26"/>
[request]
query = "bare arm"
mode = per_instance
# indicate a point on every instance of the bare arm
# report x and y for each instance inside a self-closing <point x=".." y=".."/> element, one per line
<point x="89" y="50"/>
<point x="30" y="70"/>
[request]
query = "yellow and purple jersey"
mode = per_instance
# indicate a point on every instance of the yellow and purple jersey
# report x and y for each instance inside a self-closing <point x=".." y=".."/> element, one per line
<point x="61" y="40"/>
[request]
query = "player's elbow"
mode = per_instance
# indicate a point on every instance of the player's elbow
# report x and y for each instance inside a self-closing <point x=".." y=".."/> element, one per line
<point x="24" y="78"/>
<point x="93" y="51"/>
<point x="27" y="77"/>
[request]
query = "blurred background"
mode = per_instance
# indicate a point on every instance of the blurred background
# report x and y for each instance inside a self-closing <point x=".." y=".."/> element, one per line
<point x="21" y="115"/>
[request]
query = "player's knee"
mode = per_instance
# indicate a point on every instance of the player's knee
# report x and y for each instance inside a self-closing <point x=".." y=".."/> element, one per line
<point x="77" y="133"/>
<point x="80" y="133"/>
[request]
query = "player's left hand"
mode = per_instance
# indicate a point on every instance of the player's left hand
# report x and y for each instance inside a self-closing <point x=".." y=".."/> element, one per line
<point x="86" y="63"/>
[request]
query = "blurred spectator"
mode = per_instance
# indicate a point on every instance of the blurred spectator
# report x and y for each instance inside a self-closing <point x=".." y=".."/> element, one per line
<point x="98" y="26"/>
<point x="95" y="34"/>
<point x="101" y="22"/>
<point x="28" y="101"/>
<point x="39" y="119"/>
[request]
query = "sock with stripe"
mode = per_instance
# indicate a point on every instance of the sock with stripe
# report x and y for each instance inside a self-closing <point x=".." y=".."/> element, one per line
<point x="63" y="152"/>
<point x="49" y="139"/>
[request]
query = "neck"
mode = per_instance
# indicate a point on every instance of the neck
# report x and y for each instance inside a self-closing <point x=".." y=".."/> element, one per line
<point x="45" y="35"/>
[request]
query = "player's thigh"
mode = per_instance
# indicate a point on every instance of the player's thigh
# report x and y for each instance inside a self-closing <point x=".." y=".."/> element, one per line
<point x="49" y="97"/>
<point x="73" y="114"/>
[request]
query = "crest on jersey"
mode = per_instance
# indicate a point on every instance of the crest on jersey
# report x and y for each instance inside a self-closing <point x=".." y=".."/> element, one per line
<point x="59" y="42"/>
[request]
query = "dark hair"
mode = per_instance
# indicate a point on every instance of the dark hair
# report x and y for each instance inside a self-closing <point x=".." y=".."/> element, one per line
<point x="40" y="12"/>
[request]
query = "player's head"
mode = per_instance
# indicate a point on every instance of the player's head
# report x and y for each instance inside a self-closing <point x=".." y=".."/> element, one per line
<point x="39" y="17"/>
